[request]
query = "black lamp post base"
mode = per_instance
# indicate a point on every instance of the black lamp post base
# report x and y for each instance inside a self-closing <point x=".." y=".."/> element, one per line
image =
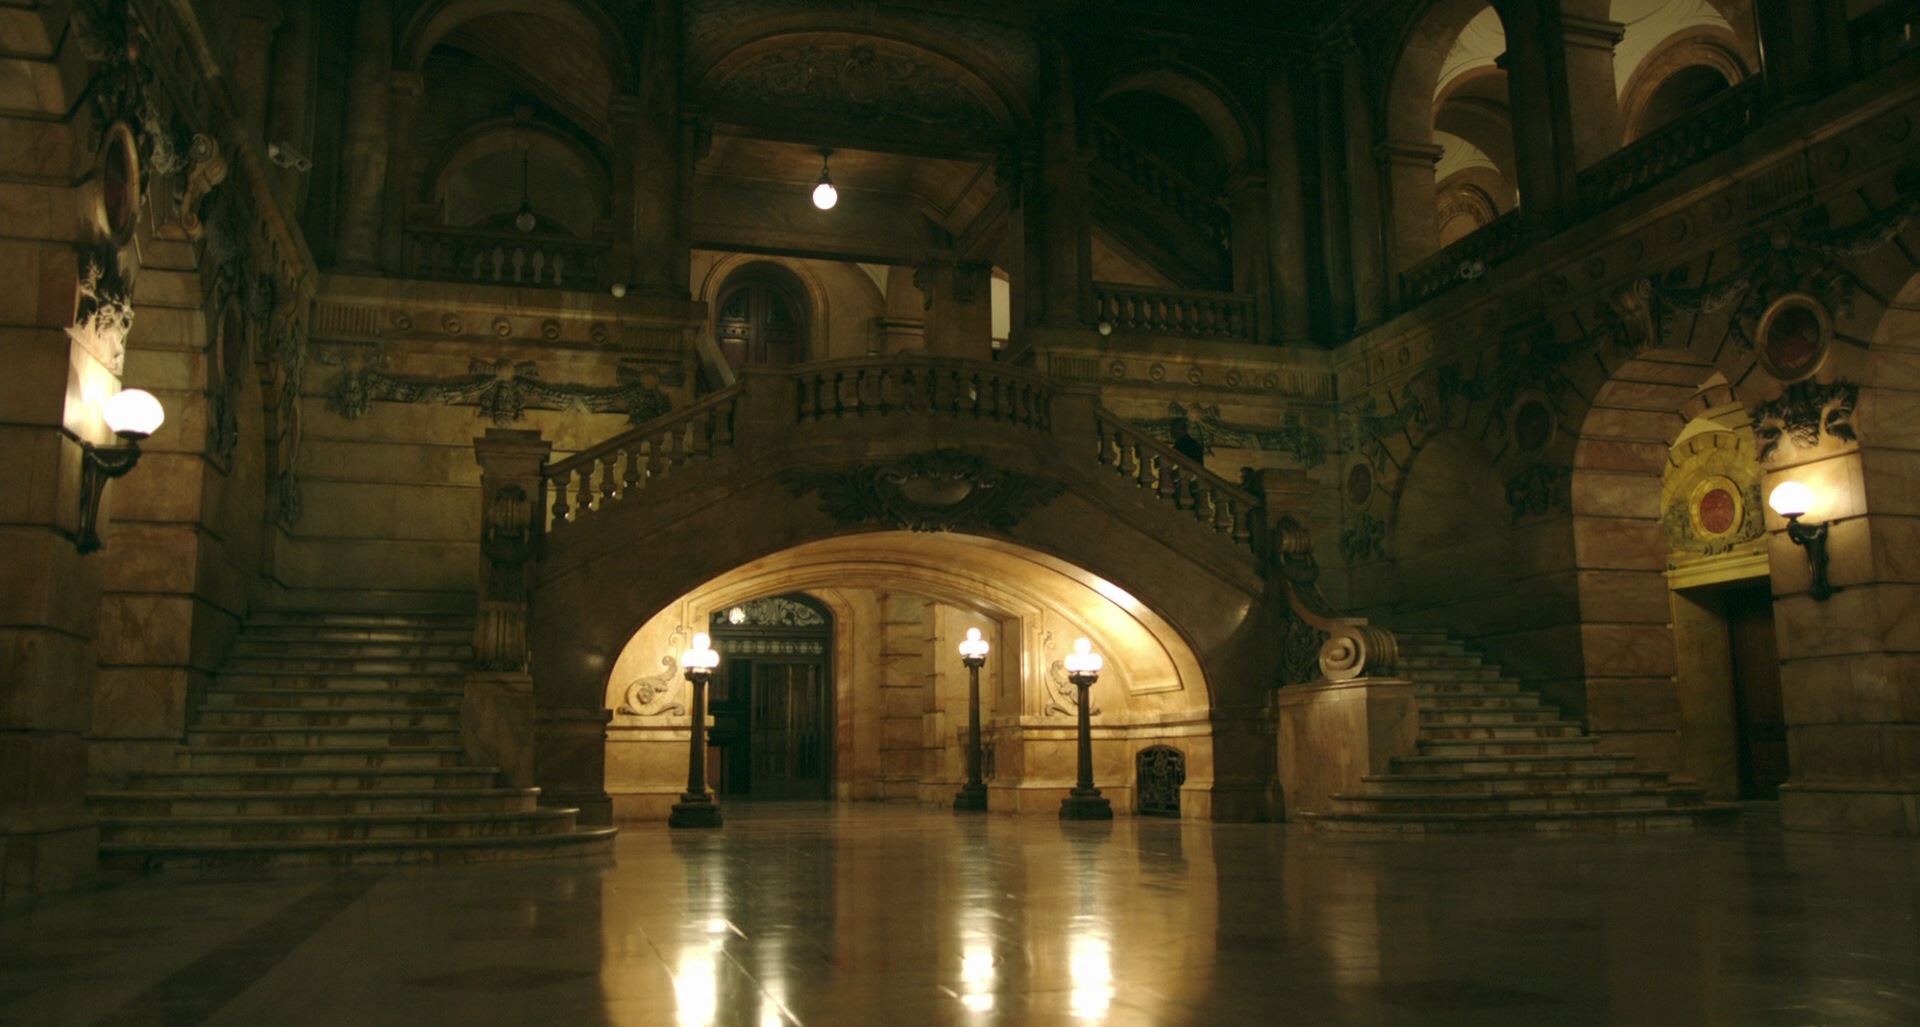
<point x="971" y="798"/>
<point x="703" y="813"/>
<point x="1093" y="806"/>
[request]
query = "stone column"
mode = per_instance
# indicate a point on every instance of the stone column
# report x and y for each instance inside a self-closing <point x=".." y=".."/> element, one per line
<point x="1414" y="226"/>
<point x="290" y="121"/>
<point x="658" y="155"/>
<point x="1248" y="193"/>
<point x="959" y="309"/>
<point x="1068" y="280"/>
<point x="406" y="88"/>
<point x="364" y="162"/>
<point x="497" y="711"/>
<point x="1535" y="62"/>
<point x="1593" y="102"/>
<point x="1363" y="192"/>
<point x="1287" y="217"/>
<point x="1804" y="47"/>
<point x="623" y="122"/>
<point x="1012" y="175"/>
<point x="1334" y="223"/>
<point x="1850" y="664"/>
<point x="253" y="30"/>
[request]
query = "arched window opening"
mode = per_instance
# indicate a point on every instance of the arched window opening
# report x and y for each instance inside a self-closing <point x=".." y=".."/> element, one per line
<point x="1159" y="189"/>
<point x="1476" y="177"/>
<point x="760" y="321"/>
<point x="1683" y="91"/>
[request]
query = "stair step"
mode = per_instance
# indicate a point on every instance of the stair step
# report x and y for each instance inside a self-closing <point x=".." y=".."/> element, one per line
<point x="320" y="738"/>
<point x="1511" y="783"/>
<point x="281" y="649"/>
<point x="1526" y="802"/>
<point x="223" y="700"/>
<point x="302" y="679"/>
<point x="344" y="665"/>
<point x="356" y="619"/>
<point x="1516" y="763"/>
<point x="438" y="718"/>
<point x="1452" y="714"/>
<point x="1570" y="745"/>
<point x="340" y="802"/>
<point x="1546" y="731"/>
<point x="594" y="842"/>
<point x="1481" y="701"/>
<point x="333" y="757"/>
<point x="188" y="830"/>
<point x="269" y="633"/>
<point x="1669" y="818"/>
<point x="285" y="780"/>
<point x="1502" y="686"/>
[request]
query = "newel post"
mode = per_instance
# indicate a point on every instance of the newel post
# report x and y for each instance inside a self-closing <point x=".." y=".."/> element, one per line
<point x="496" y="713"/>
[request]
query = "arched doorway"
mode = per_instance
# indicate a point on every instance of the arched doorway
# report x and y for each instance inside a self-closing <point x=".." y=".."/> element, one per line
<point x="761" y="319"/>
<point x="772" y="703"/>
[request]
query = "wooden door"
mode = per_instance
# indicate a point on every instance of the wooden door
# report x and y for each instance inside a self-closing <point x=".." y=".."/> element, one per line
<point x="788" y="731"/>
<point x="1756" y="691"/>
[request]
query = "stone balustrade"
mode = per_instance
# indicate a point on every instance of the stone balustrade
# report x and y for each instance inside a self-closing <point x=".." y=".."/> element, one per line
<point x="1465" y="260"/>
<point x="1708" y="129"/>
<point x="507" y="258"/>
<point x="623" y="465"/>
<point x="1183" y="482"/>
<point x="923" y="385"/>
<point x="1205" y="315"/>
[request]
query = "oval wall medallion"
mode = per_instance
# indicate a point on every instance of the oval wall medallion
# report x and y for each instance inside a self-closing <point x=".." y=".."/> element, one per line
<point x="1359" y="484"/>
<point x="1716" y="508"/>
<point x="120" y="183"/>
<point x="1532" y="424"/>
<point x="1794" y="336"/>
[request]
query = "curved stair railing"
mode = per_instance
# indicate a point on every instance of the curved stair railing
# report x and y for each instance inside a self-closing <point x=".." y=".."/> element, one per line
<point x="561" y="493"/>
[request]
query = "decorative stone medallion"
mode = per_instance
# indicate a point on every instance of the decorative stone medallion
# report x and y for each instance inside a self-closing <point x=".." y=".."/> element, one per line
<point x="1359" y="484"/>
<point x="1795" y="335"/>
<point x="1717" y="508"/>
<point x="119" y="199"/>
<point x="1532" y="423"/>
<point x="938" y="490"/>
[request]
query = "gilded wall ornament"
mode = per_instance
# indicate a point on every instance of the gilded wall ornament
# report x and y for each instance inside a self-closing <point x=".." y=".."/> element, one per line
<point x="771" y="612"/>
<point x="503" y="390"/>
<point x="1804" y="414"/>
<point x="938" y="490"/>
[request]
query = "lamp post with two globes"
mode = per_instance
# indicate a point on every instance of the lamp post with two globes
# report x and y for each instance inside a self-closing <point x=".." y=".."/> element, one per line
<point x="696" y="807"/>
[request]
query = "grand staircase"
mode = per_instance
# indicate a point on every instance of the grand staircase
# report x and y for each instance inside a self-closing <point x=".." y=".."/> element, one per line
<point x="334" y="739"/>
<point x="1494" y="758"/>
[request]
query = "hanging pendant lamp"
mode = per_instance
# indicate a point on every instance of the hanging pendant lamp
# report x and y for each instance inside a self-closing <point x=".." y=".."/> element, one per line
<point x="824" y="194"/>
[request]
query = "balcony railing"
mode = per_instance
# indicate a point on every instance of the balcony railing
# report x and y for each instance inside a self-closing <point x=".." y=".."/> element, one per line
<point x="907" y="384"/>
<point x="507" y="258"/>
<point x="1712" y="127"/>
<point x="1170" y="188"/>
<point x="1885" y="34"/>
<point x="1204" y="315"/>
<point x="1465" y="260"/>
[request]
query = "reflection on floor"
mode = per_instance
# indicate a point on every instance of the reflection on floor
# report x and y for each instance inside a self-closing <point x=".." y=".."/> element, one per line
<point x="852" y="915"/>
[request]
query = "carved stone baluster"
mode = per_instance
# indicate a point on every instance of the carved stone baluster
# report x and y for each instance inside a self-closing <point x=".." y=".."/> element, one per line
<point x="1169" y="481"/>
<point x="656" y="466"/>
<point x="583" y="494"/>
<point x="1109" y="456"/>
<point x="560" y="507"/>
<point x="723" y="422"/>
<point x="631" y="479"/>
<point x="609" y="479"/>
<point x="1128" y="463"/>
<point x="677" y="453"/>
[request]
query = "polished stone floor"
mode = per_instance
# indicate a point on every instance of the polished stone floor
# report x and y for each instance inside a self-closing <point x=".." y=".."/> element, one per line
<point x="895" y="915"/>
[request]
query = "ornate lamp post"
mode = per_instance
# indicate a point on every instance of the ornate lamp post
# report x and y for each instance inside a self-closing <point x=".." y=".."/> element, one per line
<point x="973" y="794"/>
<point x="696" y="807"/>
<point x="1085" y="801"/>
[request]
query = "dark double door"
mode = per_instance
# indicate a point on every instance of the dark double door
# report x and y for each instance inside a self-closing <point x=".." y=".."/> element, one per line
<point x="772" y="730"/>
<point x="1759" y="714"/>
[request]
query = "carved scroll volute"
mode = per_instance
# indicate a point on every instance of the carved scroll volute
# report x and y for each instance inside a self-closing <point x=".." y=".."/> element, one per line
<point x="1353" y="648"/>
<point x="510" y="463"/>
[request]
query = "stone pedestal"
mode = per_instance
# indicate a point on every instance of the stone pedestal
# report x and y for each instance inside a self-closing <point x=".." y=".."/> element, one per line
<point x="1335" y="733"/>
<point x="570" y="761"/>
<point x="496" y="724"/>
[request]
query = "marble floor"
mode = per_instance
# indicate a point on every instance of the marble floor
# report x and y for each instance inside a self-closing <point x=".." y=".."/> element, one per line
<point x="862" y="914"/>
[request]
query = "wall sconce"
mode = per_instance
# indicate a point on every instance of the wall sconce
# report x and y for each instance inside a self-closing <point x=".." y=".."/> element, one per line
<point x="132" y="414"/>
<point x="1792" y="500"/>
<point x="824" y="194"/>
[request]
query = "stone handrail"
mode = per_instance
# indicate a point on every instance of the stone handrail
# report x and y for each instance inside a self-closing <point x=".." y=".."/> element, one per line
<point x="1206" y="315"/>
<point x="1186" y="483"/>
<point x="1465" y="260"/>
<point x="1713" y="126"/>
<point x="877" y="387"/>
<point x="1353" y="647"/>
<point x="507" y="258"/>
<point x="624" y="464"/>
<point x="1168" y="187"/>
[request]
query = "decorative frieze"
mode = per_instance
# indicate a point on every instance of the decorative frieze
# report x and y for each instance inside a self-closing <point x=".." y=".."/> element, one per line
<point x="938" y="490"/>
<point x="1540" y="489"/>
<point x="503" y="390"/>
<point x="1805" y="413"/>
<point x="1203" y="422"/>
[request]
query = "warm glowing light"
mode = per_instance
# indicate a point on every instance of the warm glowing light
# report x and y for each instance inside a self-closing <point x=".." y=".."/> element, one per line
<point x="718" y="925"/>
<point x="1791" y="499"/>
<point x="825" y="195"/>
<point x="1090" y="970"/>
<point x="976" y="977"/>
<point x="701" y="656"/>
<point x="133" y="413"/>
<point x="975" y="647"/>
<point x="1115" y="594"/>
<point x="696" y="988"/>
<point x="1083" y="660"/>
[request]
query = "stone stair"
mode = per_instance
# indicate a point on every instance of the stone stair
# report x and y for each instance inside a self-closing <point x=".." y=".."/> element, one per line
<point x="334" y="739"/>
<point x="1495" y="758"/>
